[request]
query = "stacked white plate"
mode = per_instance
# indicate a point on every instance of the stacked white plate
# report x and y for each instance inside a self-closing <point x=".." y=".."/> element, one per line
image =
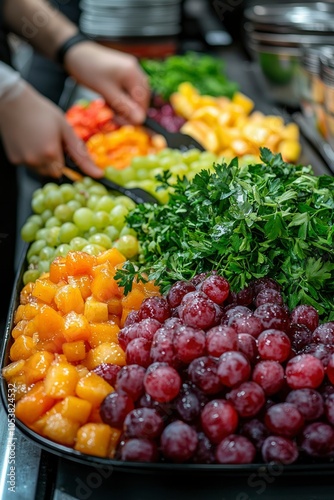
<point x="130" y="18"/>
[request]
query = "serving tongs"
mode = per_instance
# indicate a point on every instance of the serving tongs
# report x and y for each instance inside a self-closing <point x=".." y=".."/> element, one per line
<point x="138" y="195"/>
<point x="175" y="140"/>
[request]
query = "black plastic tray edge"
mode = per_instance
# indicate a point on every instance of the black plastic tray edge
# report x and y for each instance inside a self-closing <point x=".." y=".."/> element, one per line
<point x="314" y="468"/>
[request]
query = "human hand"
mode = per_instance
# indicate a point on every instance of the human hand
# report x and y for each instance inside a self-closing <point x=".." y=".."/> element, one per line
<point x="35" y="133"/>
<point x="115" y="75"/>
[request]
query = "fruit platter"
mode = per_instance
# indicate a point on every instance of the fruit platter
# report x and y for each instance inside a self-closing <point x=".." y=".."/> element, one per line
<point x="195" y="333"/>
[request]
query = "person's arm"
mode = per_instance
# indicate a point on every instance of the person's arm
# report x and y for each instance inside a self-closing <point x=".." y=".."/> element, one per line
<point x="35" y="132"/>
<point x="42" y="26"/>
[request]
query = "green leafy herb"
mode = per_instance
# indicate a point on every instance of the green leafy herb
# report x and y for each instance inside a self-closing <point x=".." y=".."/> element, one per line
<point x="205" y="72"/>
<point x="247" y="222"/>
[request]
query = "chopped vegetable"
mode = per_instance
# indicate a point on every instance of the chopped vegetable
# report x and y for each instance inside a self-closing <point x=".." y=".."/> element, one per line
<point x="205" y="72"/>
<point x="268" y="219"/>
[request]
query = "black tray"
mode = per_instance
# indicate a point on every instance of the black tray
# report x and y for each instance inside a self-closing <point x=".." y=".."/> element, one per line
<point x="300" y="468"/>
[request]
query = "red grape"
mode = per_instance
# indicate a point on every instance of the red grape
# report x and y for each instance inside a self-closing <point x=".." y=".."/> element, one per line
<point x="248" y="399"/>
<point x="219" y="419"/>
<point x="178" y="441"/>
<point x="139" y="450"/>
<point x="284" y="419"/>
<point x="114" y="408"/>
<point x="317" y="439"/>
<point x="220" y="339"/>
<point x="216" y="288"/>
<point x="304" y="371"/>
<point x="233" y="368"/>
<point x="274" y="344"/>
<point x="162" y="382"/>
<point x="308" y="401"/>
<point x="269" y="375"/>
<point x="305" y="315"/>
<point x="278" y="449"/>
<point x="143" y="423"/>
<point x="235" y="449"/>
<point x="203" y="373"/>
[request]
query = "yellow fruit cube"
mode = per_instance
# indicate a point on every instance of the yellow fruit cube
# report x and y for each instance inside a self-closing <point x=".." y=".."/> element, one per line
<point x="102" y="333"/>
<point x="245" y="102"/>
<point x="93" y="388"/>
<point x="22" y="348"/>
<point x="108" y="352"/>
<point x="93" y="439"/>
<point x="76" y="409"/>
<point x="74" y="351"/>
<point x="37" y="365"/>
<point x="95" y="311"/>
<point x="68" y="298"/>
<point x="44" y="290"/>
<point x="76" y="327"/>
<point x="61" y="429"/>
<point x="13" y="369"/>
<point x="61" y="380"/>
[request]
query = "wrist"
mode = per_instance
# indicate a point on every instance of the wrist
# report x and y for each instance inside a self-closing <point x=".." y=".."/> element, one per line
<point x="70" y="42"/>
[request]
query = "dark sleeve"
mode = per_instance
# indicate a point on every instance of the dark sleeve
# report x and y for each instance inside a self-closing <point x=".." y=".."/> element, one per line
<point x="4" y="47"/>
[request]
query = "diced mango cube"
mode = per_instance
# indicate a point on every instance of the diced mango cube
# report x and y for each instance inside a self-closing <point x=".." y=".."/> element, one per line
<point x="112" y="255"/>
<point x="103" y="285"/>
<point x="68" y="298"/>
<point x="49" y="323"/>
<point x="44" y="290"/>
<point x="61" y="380"/>
<point x="58" y="270"/>
<point x="74" y="351"/>
<point x="115" y="306"/>
<point x="22" y="348"/>
<point x="19" y="328"/>
<point x="103" y="332"/>
<point x="13" y="369"/>
<point x="134" y="299"/>
<point x="79" y="263"/>
<point x="94" y="439"/>
<point x="93" y="388"/>
<point x="95" y="311"/>
<point x="245" y="102"/>
<point x="76" y="409"/>
<point x="33" y="404"/>
<point x="76" y="327"/>
<point x="108" y="352"/>
<point x="25" y="294"/>
<point x="36" y="366"/>
<point x="61" y="429"/>
<point x="83" y="283"/>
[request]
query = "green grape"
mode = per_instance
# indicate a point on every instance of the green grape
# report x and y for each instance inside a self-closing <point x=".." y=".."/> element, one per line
<point x="29" y="230"/>
<point x="112" y="232"/>
<point x="35" y="248"/>
<point x="37" y="192"/>
<point x="38" y="203"/>
<point x="117" y="216"/>
<point x="52" y="222"/>
<point x="37" y="219"/>
<point x="74" y="205"/>
<point x="139" y="162"/>
<point x="208" y="157"/>
<point x="42" y="234"/>
<point x="52" y="236"/>
<point x="62" y="250"/>
<point x="92" y="230"/>
<point x="43" y="266"/>
<point x="128" y="245"/>
<point x="126" y="202"/>
<point x="83" y="218"/>
<point x="64" y="213"/>
<point x="30" y="275"/>
<point x="98" y="189"/>
<point x="67" y="191"/>
<point x="127" y="230"/>
<point x="92" y="201"/>
<point x="162" y="196"/>
<point x="93" y="249"/>
<point x="100" y="239"/>
<point x="166" y="152"/>
<point x="152" y="161"/>
<point x="113" y="175"/>
<point x="46" y="214"/>
<point x="88" y="182"/>
<point x="179" y="169"/>
<point x="167" y="162"/>
<point x="78" y="243"/>
<point x="125" y="175"/>
<point x="191" y="155"/>
<point x="47" y="253"/>
<point x="79" y="187"/>
<point x="80" y="198"/>
<point x="101" y="219"/>
<point x="50" y="186"/>
<point x="33" y="260"/>
<point x="148" y="185"/>
<point x="67" y="231"/>
<point x="53" y="198"/>
<point x="142" y="174"/>
<point x="105" y="203"/>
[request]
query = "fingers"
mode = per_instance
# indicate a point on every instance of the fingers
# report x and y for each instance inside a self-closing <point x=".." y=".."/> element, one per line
<point x="125" y="106"/>
<point x="77" y="150"/>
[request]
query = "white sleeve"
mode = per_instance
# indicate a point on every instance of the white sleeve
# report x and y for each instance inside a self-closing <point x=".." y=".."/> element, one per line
<point x="11" y="83"/>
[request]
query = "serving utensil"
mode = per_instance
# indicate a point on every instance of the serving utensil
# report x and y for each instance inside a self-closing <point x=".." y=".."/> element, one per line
<point x="175" y="140"/>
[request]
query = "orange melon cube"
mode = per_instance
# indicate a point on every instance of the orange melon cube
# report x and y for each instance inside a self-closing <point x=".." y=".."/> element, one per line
<point x="31" y="309"/>
<point x="83" y="283"/>
<point x="68" y="298"/>
<point x="36" y="366"/>
<point x="49" y="323"/>
<point x="76" y="409"/>
<point x="33" y="404"/>
<point x="76" y="327"/>
<point x="103" y="285"/>
<point x="60" y="429"/>
<point x="133" y="299"/>
<point x="108" y="352"/>
<point x="60" y="380"/>
<point x="95" y="416"/>
<point x="20" y="384"/>
<point x="112" y="255"/>
<point x="93" y="388"/>
<point x="19" y="328"/>
<point x="38" y="426"/>
<point x="13" y="369"/>
<point x="115" y="306"/>
<point x="82" y="370"/>
<point x="44" y="290"/>
<point x="54" y="346"/>
<point x="79" y="263"/>
<point x="58" y="270"/>
<point x="18" y="315"/>
<point x="30" y="329"/>
<point x="95" y="311"/>
<point x="74" y="351"/>
<point x="102" y="333"/>
<point x="93" y="439"/>
<point x="113" y="319"/>
<point x="25" y="294"/>
<point x="22" y="348"/>
<point x="125" y="313"/>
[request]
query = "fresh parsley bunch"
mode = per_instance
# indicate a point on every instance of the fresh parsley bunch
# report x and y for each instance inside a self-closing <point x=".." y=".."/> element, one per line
<point x="268" y="219"/>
